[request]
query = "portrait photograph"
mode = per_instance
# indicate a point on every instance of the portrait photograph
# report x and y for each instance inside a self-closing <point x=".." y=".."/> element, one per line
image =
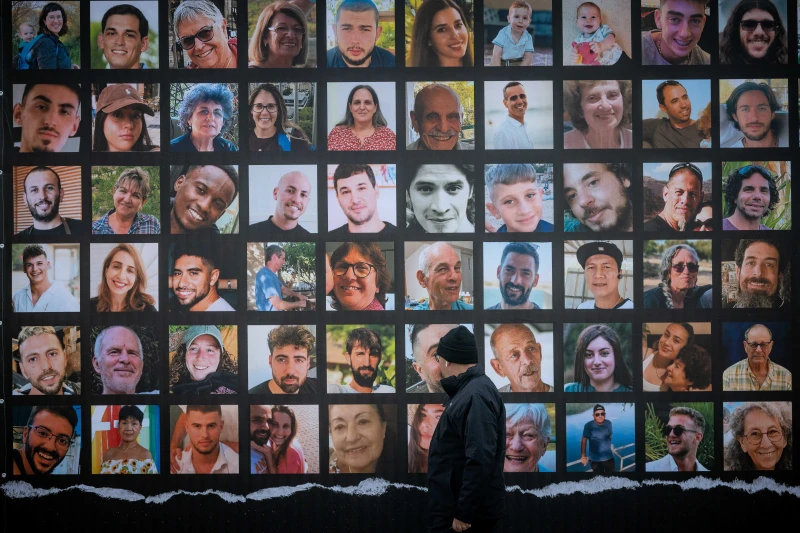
<point x="284" y="439"/>
<point x="519" y="198"/>
<point x="598" y="358"/>
<point x="519" y="357"/>
<point x="598" y="197"/>
<point x="757" y="356"/>
<point x="360" y="34"/>
<point x="441" y="199"/>
<point x="126" y="439"/>
<point x="204" y="35"/>
<point x="203" y="360"/>
<point x="678" y="197"/>
<point x="757" y="436"/>
<point x="33" y="427"/>
<point x="126" y="200"/>
<point x="373" y="426"/>
<point x="422" y="419"/>
<point x="530" y="435"/>
<point x="62" y="376"/>
<point x="362" y="276"/>
<point x="360" y="358"/>
<point x="753" y="33"/>
<point x="422" y="372"/>
<point x="190" y="213"/>
<point x="281" y="34"/>
<point x="286" y="204"/>
<point x="597" y="114"/>
<point x="124" y="36"/>
<point x="596" y="34"/>
<point x="598" y="275"/>
<point x="204" y="117"/>
<point x="440" y="33"/>
<point x="33" y="106"/>
<point x="48" y="273"/>
<point x="609" y="430"/>
<point x="46" y="35"/>
<point x="118" y="113"/>
<point x="517" y="33"/>
<point x="207" y="438"/>
<point x="518" y="115"/>
<point x="123" y="277"/>
<point x="201" y="275"/>
<point x="441" y="115"/>
<point x="756" y="273"/>
<point x="667" y="42"/>
<point x="679" y="437"/>
<point x="282" y="359"/>
<point x="757" y="195"/>
<point x="125" y="359"/>
<point x="517" y="275"/>
<point x="676" y="114"/>
<point x="361" y="116"/>
<point x="676" y="356"/>
<point x="677" y="274"/>
<point x="362" y="199"/>
<point x="754" y="113"/>
<point x="281" y="276"/>
<point x="439" y="276"/>
<point x="47" y="201"/>
<point x="282" y="117"/>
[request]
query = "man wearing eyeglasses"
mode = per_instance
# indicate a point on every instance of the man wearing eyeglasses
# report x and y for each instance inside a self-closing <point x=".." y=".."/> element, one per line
<point x="292" y="196"/>
<point x="356" y="31"/>
<point x="270" y="290"/>
<point x="683" y="434"/>
<point x="363" y="351"/>
<point x="46" y="440"/>
<point x="754" y="34"/>
<point x="682" y="195"/>
<point x="750" y="194"/>
<point x="680" y="264"/>
<point x="512" y="134"/>
<point x="200" y="31"/>
<point x="678" y="129"/>
<point x="757" y="372"/>
<point x="597" y="434"/>
<point x="43" y="363"/>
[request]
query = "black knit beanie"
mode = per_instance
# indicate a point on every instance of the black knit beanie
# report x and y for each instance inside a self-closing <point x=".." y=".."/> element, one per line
<point x="458" y="346"/>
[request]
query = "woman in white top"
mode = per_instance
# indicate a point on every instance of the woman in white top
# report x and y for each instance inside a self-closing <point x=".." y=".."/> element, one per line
<point x="657" y="359"/>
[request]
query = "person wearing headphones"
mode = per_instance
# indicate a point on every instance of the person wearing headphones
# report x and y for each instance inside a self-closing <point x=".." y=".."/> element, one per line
<point x="602" y="267"/>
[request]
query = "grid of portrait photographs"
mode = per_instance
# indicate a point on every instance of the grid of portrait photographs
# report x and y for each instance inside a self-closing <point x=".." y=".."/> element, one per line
<point x="252" y="232"/>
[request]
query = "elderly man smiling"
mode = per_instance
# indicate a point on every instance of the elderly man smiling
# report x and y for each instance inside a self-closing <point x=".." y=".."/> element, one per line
<point x="437" y="117"/>
<point x="440" y="274"/>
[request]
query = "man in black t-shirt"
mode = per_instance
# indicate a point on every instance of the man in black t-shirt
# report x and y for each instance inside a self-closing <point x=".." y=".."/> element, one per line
<point x="292" y="194"/>
<point x="43" y="195"/>
<point x="357" y="194"/>
<point x="290" y="352"/>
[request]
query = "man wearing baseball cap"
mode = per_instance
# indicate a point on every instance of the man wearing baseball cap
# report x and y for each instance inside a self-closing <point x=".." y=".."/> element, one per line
<point x="597" y="433"/>
<point x="119" y="124"/>
<point x="602" y="268"/>
<point x="467" y="451"/>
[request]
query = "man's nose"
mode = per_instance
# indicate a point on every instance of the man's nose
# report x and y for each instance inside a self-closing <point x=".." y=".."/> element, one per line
<point x="683" y="30"/>
<point x="124" y="357"/>
<point x="440" y="202"/>
<point x="584" y="198"/>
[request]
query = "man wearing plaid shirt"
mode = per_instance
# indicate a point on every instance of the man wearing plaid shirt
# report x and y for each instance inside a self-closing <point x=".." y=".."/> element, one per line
<point x="757" y="372"/>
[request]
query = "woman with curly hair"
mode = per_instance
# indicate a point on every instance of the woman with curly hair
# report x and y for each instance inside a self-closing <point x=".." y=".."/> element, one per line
<point x="205" y="113"/>
<point x="123" y="283"/>
<point x="664" y="351"/>
<point x="762" y="437"/>
<point x="360" y="277"/>
<point x="600" y="113"/>
<point x="202" y="365"/>
<point x="441" y="36"/>
<point x="690" y="371"/>
<point x="754" y="34"/>
<point x="270" y="128"/>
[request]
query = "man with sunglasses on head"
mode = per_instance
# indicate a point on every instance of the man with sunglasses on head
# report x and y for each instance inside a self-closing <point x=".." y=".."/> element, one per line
<point x="512" y="134"/>
<point x="597" y="433"/>
<point x="270" y="290"/>
<point x="46" y="439"/>
<point x="682" y="195"/>
<point x="200" y="31"/>
<point x="683" y="434"/>
<point x="678" y="288"/>
<point x="750" y="194"/>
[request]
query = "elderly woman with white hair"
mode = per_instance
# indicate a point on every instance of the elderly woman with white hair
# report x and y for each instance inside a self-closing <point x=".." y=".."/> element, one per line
<point x="678" y="288"/>
<point x="528" y="432"/>
<point x="205" y="114"/>
<point x="200" y="31"/>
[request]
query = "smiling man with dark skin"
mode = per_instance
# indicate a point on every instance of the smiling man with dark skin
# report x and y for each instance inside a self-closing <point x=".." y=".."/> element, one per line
<point x="437" y="118"/>
<point x="46" y="440"/>
<point x="202" y="195"/>
<point x="124" y="37"/>
<point x="49" y="114"/>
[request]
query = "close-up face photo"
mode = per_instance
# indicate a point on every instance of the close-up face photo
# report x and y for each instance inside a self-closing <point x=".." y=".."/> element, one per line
<point x="441" y="199"/>
<point x="753" y="32"/>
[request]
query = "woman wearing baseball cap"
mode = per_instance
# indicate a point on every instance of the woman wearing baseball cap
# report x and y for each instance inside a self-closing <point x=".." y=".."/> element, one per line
<point x="202" y="365"/>
<point x="119" y="125"/>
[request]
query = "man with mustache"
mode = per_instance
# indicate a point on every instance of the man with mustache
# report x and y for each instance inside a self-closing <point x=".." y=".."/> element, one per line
<point x="424" y="342"/>
<point x="43" y="363"/>
<point x="597" y="196"/>
<point x="207" y="455"/>
<point x="518" y="357"/>
<point x="46" y="439"/>
<point x="357" y="193"/>
<point x="292" y="194"/>
<point x="119" y="360"/>
<point x="48" y="114"/>
<point x="194" y="279"/>
<point x="678" y="129"/>
<point x="290" y="352"/>
<point x="270" y="290"/>
<point x="440" y="274"/>
<point x="751" y="110"/>
<point x="512" y="134"/>
<point x="363" y="351"/>
<point x="754" y="35"/>
<point x="356" y="31"/>
<point x="437" y="118"/>
<point x="683" y="434"/>
<point x="760" y="266"/>
<point x="750" y="194"/>
<point x="602" y="268"/>
<point x="202" y="195"/>
<point x="682" y="196"/>
<point x="757" y="372"/>
<point x="41" y="294"/>
<point x="518" y="274"/>
<point x="43" y="195"/>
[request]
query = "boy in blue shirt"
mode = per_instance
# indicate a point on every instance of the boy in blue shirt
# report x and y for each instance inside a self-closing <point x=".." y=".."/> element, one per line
<point x="513" y="44"/>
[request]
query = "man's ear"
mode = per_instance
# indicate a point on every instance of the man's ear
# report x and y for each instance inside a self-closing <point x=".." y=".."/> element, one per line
<point x="498" y="271"/>
<point x="17" y="114"/>
<point x="535" y="280"/>
<point x="179" y="182"/>
<point x="418" y="369"/>
<point x="96" y="364"/>
<point x="421" y="279"/>
<point x="100" y="43"/>
<point x="145" y="43"/>
<point x="378" y="31"/>
<point x="497" y="368"/>
<point x="664" y="193"/>
<point x="214" y="277"/>
<point x="663" y="108"/>
<point x="275" y="193"/>
<point x="657" y="16"/>
<point x="414" y="124"/>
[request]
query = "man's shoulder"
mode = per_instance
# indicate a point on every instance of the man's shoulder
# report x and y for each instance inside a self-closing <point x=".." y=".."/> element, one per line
<point x="659" y="465"/>
<point x="544" y="226"/>
<point x="340" y="232"/>
<point x="386" y="57"/>
<point x="656" y="224"/>
<point x="261" y="388"/>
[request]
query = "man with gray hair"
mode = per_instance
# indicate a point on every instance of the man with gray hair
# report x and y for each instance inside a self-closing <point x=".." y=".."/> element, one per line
<point x="201" y="32"/>
<point x="440" y="274"/>
<point x="757" y="372"/>
<point x="683" y="434"/>
<point x="682" y="197"/>
<point x="119" y="360"/>
<point x="437" y="117"/>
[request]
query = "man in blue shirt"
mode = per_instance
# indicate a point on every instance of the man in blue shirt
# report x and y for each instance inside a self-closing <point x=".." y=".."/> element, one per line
<point x="269" y="288"/>
<point x="356" y="31"/>
<point x="440" y="274"/>
<point x="598" y="433"/>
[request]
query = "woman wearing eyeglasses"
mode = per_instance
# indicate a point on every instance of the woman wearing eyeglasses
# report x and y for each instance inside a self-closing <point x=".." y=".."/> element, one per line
<point x="762" y="437"/>
<point x="271" y="130"/>
<point x="664" y="351"/>
<point x="280" y="39"/>
<point x="360" y="277"/>
<point x="200" y="31"/>
<point x="129" y="457"/>
<point x="678" y="287"/>
<point x="205" y="114"/>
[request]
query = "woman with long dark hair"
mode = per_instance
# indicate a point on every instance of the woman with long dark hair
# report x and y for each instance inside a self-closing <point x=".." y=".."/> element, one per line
<point x="441" y="36"/>
<point x="119" y="125"/>
<point x="599" y="365"/>
<point x="422" y="422"/>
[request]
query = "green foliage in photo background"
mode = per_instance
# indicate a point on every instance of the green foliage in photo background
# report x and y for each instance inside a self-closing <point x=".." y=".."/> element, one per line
<point x="103" y="180"/>
<point x="176" y="92"/>
<point x="412" y="6"/>
<point x="149" y="57"/>
<point x="656" y="444"/>
<point x="29" y="12"/>
<point x="573" y="331"/>
<point x="387" y="369"/>
<point x="656" y="248"/>
<point x="781" y="217"/>
<point x="387" y="39"/>
<point x="150" y="359"/>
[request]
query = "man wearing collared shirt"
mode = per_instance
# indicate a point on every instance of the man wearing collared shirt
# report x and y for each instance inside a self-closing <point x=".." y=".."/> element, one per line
<point x="683" y="434"/>
<point x="757" y="372"/>
<point x="512" y="133"/>
<point x="207" y="454"/>
<point x="41" y="295"/>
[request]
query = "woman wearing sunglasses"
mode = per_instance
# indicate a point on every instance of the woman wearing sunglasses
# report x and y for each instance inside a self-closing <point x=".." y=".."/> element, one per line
<point x="280" y="39"/>
<point x="200" y="31"/>
<point x="678" y="287"/>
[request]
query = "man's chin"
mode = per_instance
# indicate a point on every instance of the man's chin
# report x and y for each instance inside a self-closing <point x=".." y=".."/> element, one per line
<point x="356" y="61"/>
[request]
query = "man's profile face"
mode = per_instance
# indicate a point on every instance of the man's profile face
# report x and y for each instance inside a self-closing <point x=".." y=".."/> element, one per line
<point x="516" y="101"/>
<point x="363" y="364"/>
<point x="357" y="197"/>
<point x="356" y="34"/>
<point x="121" y="42"/>
<point x="201" y="197"/>
<point x="278" y="259"/>
<point x="44" y="454"/>
<point x="677" y="105"/>
<point x="192" y="280"/>
<point x="754" y="115"/>
<point x="48" y="117"/>
<point x="759" y="274"/>
<point x="518" y="358"/>
<point x="687" y="442"/>
<point x="259" y="424"/>
<point x="204" y="430"/>
<point x="290" y="365"/>
<point x="756" y="43"/>
<point x="36" y="269"/>
<point x="518" y="205"/>
<point x="682" y="194"/>
<point x="43" y="363"/>
<point x="681" y="23"/>
<point x="596" y="197"/>
<point x="518" y="275"/>
<point x="758" y="345"/>
<point x="424" y="349"/>
<point x="602" y="275"/>
<point x="43" y="195"/>
<point x="443" y="281"/>
<point x="440" y="124"/>
<point x="753" y="200"/>
<point x="120" y="362"/>
<point x="292" y="194"/>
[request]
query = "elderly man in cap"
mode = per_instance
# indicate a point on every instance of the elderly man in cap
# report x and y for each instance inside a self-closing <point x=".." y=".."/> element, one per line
<point x="467" y="451"/>
<point x="602" y="267"/>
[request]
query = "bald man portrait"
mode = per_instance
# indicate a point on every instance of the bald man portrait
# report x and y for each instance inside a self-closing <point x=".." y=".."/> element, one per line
<point x="292" y="194"/>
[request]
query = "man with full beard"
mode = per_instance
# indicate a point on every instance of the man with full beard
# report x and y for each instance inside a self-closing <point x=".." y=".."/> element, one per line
<point x="194" y="279"/>
<point x="682" y="197"/>
<point x="43" y="363"/>
<point x="290" y="351"/>
<point x="750" y="194"/>
<point x="356" y="30"/>
<point x="43" y="196"/>
<point x="760" y="266"/>
<point x="752" y="110"/>
<point x="518" y="274"/>
<point x="357" y="193"/>
<point x="363" y="351"/>
<point x="260" y="416"/>
<point x="597" y="196"/>
<point x="46" y="439"/>
<point x="518" y="357"/>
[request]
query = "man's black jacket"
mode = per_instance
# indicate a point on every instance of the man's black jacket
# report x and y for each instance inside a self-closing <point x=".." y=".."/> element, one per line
<point x="467" y="453"/>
